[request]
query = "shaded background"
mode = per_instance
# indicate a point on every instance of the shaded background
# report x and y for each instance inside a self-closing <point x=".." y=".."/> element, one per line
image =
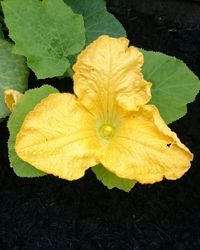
<point x="49" y="213"/>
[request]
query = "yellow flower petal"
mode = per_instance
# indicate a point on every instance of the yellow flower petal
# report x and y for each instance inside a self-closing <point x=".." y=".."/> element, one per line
<point x="58" y="137"/>
<point x="107" y="73"/>
<point x="11" y="98"/>
<point x="145" y="149"/>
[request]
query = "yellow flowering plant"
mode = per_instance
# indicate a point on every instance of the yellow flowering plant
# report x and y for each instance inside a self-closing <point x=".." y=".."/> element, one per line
<point x="107" y="121"/>
<point x="112" y="123"/>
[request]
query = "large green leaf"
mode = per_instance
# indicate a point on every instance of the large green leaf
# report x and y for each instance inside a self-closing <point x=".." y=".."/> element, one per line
<point x="13" y="73"/>
<point x="46" y="32"/>
<point x="98" y="21"/>
<point x="26" y="104"/>
<point x="173" y="84"/>
<point x="111" y="180"/>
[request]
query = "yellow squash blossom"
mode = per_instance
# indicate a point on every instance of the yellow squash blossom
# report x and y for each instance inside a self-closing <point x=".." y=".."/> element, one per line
<point x="11" y="98"/>
<point x="107" y="121"/>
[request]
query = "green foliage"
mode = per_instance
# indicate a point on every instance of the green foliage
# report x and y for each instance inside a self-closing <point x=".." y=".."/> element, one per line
<point x="173" y="84"/>
<point x="13" y="73"/>
<point x="46" y="32"/>
<point x="26" y="104"/>
<point x="97" y="19"/>
<point x="111" y="180"/>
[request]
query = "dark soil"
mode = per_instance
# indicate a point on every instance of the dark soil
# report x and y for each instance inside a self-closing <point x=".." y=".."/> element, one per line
<point x="49" y="213"/>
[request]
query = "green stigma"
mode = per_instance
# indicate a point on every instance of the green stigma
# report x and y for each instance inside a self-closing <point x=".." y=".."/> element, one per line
<point x="106" y="131"/>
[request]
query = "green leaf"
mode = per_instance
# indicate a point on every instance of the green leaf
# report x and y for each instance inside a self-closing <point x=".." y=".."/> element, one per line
<point x="46" y="32"/>
<point x="174" y="85"/>
<point x="13" y="73"/>
<point x="111" y="180"/>
<point x="98" y="21"/>
<point x="26" y="104"/>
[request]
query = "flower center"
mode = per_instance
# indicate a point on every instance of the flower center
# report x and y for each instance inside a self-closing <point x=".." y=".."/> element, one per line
<point x="106" y="131"/>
